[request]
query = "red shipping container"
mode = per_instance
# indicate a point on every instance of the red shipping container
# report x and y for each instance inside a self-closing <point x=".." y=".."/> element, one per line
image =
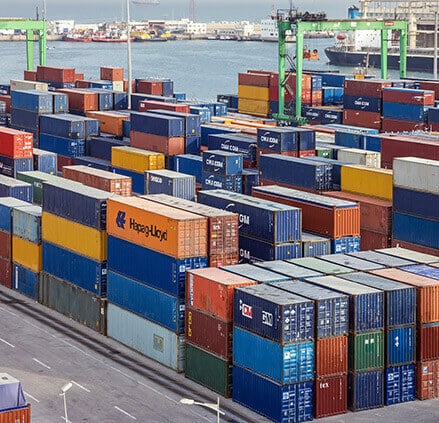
<point x="17" y="415"/>
<point x="427" y="380"/>
<point x="375" y="214"/>
<point x="331" y="396"/>
<point x="306" y="96"/>
<point x="30" y="75"/>
<point x="146" y="105"/>
<point x="407" y="96"/>
<point x="16" y="144"/>
<point x="5" y="245"/>
<point x="55" y="74"/>
<point x="80" y="83"/>
<point x="211" y="290"/>
<point x="316" y="98"/>
<point x="260" y="151"/>
<point x="64" y="161"/>
<point x="366" y="87"/>
<point x="111" y="74"/>
<point x="434" y="127"/>
<point x="427" y="346"/>
<point x="394" y="125"/>
<point x="81" y="100"/>
<point x="168" y="146"/>
<point x="307" y="153"/>
<point x="331" y="356"/>
<point x="415" y="247"/>
<point x="373" y="240"/>
<point x="6" y="99"/>
<point x="145" y="86"/>
<point x="6" y="272"/>
<point x="430" y="85"/>
<point x="254" y="79"/>
<point x="225" y="259"/>
<point x="334" y="222"/>
<point x="209" y="332"/>
<point x="362" y="118"/>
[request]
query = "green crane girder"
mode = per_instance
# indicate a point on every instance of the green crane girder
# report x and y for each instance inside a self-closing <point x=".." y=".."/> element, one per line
<point x="300" y="27"/>
<point x="30" y="27"/>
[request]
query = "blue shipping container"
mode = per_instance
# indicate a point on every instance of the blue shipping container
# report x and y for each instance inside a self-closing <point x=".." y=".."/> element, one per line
<point x="7" y="204"/>
<point x="278" y="139"/>
<point x="25" y="119"/>
<point x="281" y="404"/>
<point x="189" y="164"/>
<point x="423" y="270"/>
<point x="257" y="274"/>
<point x="192" y="145"/>
<point x="120" y="100"/>
<point x="237" y="144"/>
<point x="45" y="161"/>
<point x="63" y="146"/>
<point x="100" y="147"/>
<point x="32" y="101"/>
<point x="383" y="259"/>
<point x="222" y="162"/>
<point x="371" y="143"/>
<point x="274" y="314"/>
<point x="416" y="203"/>
<point x="26" y="281"/>
<point x="207" y="130"/>
<point x="332" y="116"/>
<point x="365" y="390"/>
<point x="315" y="245"/>
<point x="10" y="187"/>
<point x="60" y="102"/>
<point x="400" y="384"/>
<point x="363" y="103"/>
<point x="345" y="245"/>
<point x="250" y="179"/>
<point x="66" y="126"/>
<point x="10" y="166"/>
<point x="192" y="123"/>
<point x="227" y="182"/>
<point x="416" y="230"/>
<point x="410" y="112"/>
<point x="290" y="363"/>
<point x="162" y="125"/>
<point x="400" y="346"/>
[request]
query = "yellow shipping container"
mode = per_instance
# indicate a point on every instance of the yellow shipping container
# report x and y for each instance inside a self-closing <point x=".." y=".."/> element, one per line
<point x="111" y="122"/>
<point x="254" y="93"/>
<point x="75" y="237"/>
<point x="27" y="254"/>
<point x="254" y="107"/>
<point x="136" y="160"/>
<point x="367" y="181"/>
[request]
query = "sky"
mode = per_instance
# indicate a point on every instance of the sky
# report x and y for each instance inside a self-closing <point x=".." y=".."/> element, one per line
<point x="88" y="11"/>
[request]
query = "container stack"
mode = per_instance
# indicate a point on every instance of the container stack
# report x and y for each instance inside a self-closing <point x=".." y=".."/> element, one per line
<point x="146" y="293"/>
<point x="222" y="244"/>
<point x="222" y="170"/>
<point x="74" y="276"/>
<point x="415" y="204"/>
<point x="56" y="77"/>
<point x="170" y="182"/>
<point x="268" y="230"/>
<point x="254" y="93"/>
<point x="366" y="341"/>
<point x="281" y="324"/>
<point x="209" y="327"/>
<point x="336" y="219"/>
<point x="16" y="151"/>
<point x="331" y="345"/>
<point x="26" y="250"/>
<point x="243" y="144"/>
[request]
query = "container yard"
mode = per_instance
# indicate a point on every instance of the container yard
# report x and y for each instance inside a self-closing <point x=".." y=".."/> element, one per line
<point x="287" y="265"/>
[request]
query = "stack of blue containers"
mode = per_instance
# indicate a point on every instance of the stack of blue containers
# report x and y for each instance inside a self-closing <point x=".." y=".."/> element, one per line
<point x="222" y="170"/>
<point x="279" y="382"/>
<point x="268" y="230"/>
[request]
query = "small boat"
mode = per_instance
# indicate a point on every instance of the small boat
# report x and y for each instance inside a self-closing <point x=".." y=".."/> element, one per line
<point x="77" y="38"/>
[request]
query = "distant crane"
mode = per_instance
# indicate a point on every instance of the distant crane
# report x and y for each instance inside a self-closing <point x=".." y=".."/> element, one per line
<point x="192" y="8"/>
<point x="146" y="2"/>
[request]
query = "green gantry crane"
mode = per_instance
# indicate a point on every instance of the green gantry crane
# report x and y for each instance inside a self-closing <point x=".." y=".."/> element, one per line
<point x="299" y="23"/>
<point x="30" y="26"/>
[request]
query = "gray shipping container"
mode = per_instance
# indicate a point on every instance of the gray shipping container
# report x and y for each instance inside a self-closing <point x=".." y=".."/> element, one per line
<point x="321" y="266"/>
<point x="383" y="259"/>
<point x="254" y="273"/>
<point x="148" y="338"/>
<point x="170" y="182"/>
<point x="351" y="262"/>
<point x="26" y="223"/>
<point x="315" y="245"/>
<point x="288" y="269"/>
<point x="410" y="255"/>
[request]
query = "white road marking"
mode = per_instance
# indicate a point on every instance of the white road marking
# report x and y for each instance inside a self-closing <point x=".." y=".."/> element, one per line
<point x="30" y="396"/>
<point x="7" y="311"/>
<point x="80" y="386"/>
<point x="124" y="412"/>
<point x="68" y="421"/>
<point x="7" y="343"/>
<point x="40" y="362"/>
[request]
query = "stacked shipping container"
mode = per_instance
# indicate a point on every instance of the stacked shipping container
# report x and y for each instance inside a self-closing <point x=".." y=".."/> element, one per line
<point x="16" y="151"/>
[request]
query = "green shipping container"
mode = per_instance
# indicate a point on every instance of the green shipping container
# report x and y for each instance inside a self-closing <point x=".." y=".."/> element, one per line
<point x="209" y="370"/>
<point x="36" y="179"/>
<point x="366" y="351"/>
<point x="324" y="152"/>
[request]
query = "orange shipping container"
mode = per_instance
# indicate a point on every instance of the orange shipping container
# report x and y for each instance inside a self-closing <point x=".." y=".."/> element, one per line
<point x="19" y="415"/>
<point x="167" y="146"/>
<point x="211" y="290"/>
<point x="174" y="232"/>
<point x="111" y="122"/>
<point x="111" y="74"/>
<point x="427" y="295"/>
<point x="100" y="179"/>
<point x="81" y="100"/>
<point x="427" y="380"/>
<point x="30" y="75"/>
<point x="331" y="356"/>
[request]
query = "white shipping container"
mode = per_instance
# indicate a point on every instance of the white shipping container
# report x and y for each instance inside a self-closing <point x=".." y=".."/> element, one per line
<point x="148" y="338"/>
<point x="410" y="255"/>
<point x="416" y="174"/>
<point x="117" y="85"/>
<point x="18" y="84"/>
<point x="361" y="157"/>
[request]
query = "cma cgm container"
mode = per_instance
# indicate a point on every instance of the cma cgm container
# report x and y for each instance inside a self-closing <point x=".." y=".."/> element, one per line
<point x="237" y="144"/>
<point x="280" y="403"/>
<point x="272" y="222"/>
<point x="278" y="139"/>
<point x="274" y="314"/>
<point x="222" y="162"/>
<point x="171" y="183"/>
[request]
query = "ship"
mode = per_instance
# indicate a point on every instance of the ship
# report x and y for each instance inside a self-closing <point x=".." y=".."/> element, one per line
<point x="363" y="48"/>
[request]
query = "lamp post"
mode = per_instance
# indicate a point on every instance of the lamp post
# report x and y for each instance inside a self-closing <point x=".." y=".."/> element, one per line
<point x="128" y="25"/>
<point x="212" y="406"/>
<point x="62" y="393"/>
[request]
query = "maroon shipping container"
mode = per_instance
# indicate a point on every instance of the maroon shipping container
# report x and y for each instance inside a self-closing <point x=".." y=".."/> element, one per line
<point x="209" y="333"/>
<point x="331" y="356"/>
<point x="366" y="87"/>
<point x="395" y="125"/>
<point x="146" y="105"/>
<point x="409" y="96"/>
<point x="373" y="240"/>
<point x="254" y="79"/>
<point x="81" y="100"/>
<point x="55" y="74"/>
<point x="427" y="380"/>
<point x="331" y="396"/>
<point x="167" y="146"/>
<point x="6" y="99"/>
<point x="30" y="75"/>
<point x="64" y="161"/>
<point x="5" y="245"/>
<point x="146" y="86"/>
<point x="111" y="74"/>
<point x="226" y="259"/>
<point x="80" y="83"/>
<point x="6" y="272"/>
<point x="430" y="85"/>
<point x="362" y="118"/>
<point x="427" y="347"/>
<point x="415" y="247"/>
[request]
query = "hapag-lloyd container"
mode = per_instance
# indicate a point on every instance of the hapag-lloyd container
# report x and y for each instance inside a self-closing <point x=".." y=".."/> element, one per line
<point x="289" y="363"/>
<point x="366" y="305"/>
<point x="168" y="230"/>
<point x="147" y="337"/>
<point x="266" y="220"/>
<point x="257" y="274"/>
<point x="252" y="250"/>
<point x="331" y="396"/>
<point x="331" y="217"/>
<point x="411" y="255"/>
<point x="400" y="298"/>
<point x="169" y="182"/>
<point x="382" y="259"/>
<point x="365" y="390"/>
<point x="427" y="380"/>
<point x="211" y="290"/>
<point x="427" y="292"/>
<point x="162" y="125"/>
<point x="146" y="301"/>
<point x="273" y="313"/>
<point x="290" y="270"/>
<point x="320" y="266"/>
<point x="331" y="307"/>
<point x="400" y="384"/>
<point x="416" y="174"/>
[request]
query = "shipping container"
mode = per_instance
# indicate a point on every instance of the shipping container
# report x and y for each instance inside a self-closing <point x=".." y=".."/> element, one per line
<point x="161" y="125"/>
<point x="366" y="305"/>
<point x="7" y="204"/>
<point x="26" y="281"/>
<point x="15" y="143"/>
<point x="362" y="103"/>
<point x="345" y="244"/>
<point x="168" y="146"/>
<point x="257" y="274"/>
<point x="278" y="139"/>
<point x="331" y="356"/>
<point x="281" y="404"/>
<point x="234" y="143"/>
<point x="416" y="174"/>
<point x="320" y="266"/>
<point x="222" y="162"/>
<point x="17" y="84"/>
<point x="382" y="259"/>
<point x="101" y="147"/>
<point x="331" y="396"/>
<point x="411" y="255"/>
<point x="290" y="270"/>
<point x="400" y="346"/>
<point x="44" y="161"/>
<point x="416" y="230"/>
<point x="146" y="337"/>
<point x="400" y="384"/>
<point x="361" y="157"/>
<point x="64" y="125"/>
<point x="26" y="253"/>
<point x="371" y="240"/>
<point x="62" y="146"/>
<point x="136" y="159"/>
<point x="170" y="182"/>
<point x="366" y="351"/>
<point x="315" y="245"/>
<point x="273" y="313"/>
<point x="5" y="245"/>
<point x="73" y="302"/>
<point x="365" y="390"/>
<point x="6" y="272"/>
<point x="10" y="167"/>
<point x="416" y="203"/>
<point x="427" y="347"/>
<point x="36" y="179"/>
<point x="354" y="263"/>
<point x="32" y="101"/>
<point x="21" y="415"/>
<point x="427" y="380"/>
<point x="26" y="223"/>
<point x="253" y="92"/>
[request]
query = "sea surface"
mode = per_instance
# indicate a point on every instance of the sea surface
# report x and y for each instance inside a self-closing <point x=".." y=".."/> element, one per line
<point x="200" y="68"/>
